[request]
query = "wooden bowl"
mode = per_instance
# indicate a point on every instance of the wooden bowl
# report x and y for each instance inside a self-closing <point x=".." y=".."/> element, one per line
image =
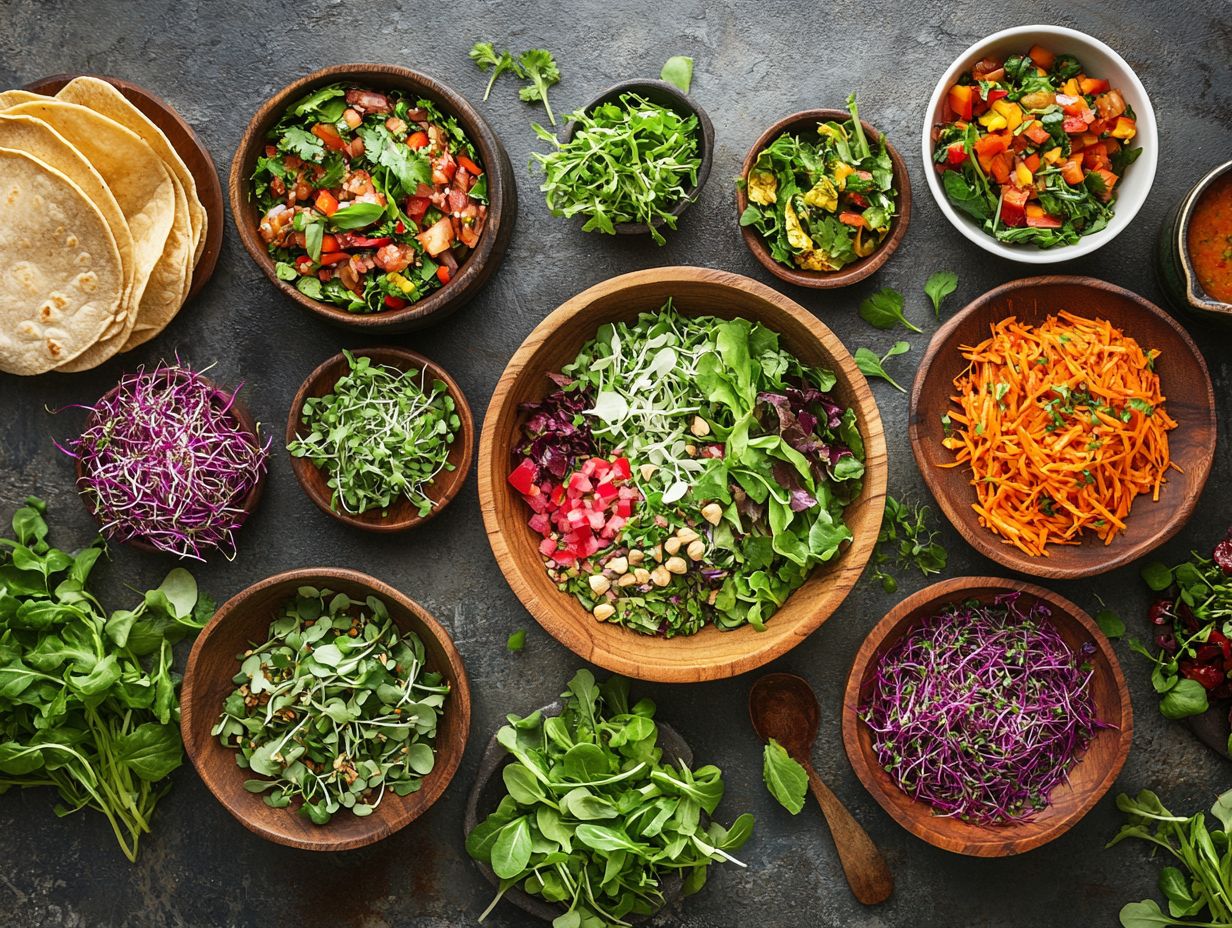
<point x="805" y="123"/>
<point x="710" y="654"/>
<point x="668" y="96"/>
<point x="402" y="515"/>
<point x="246" y="422"/>
<point x="473" y="273"/>
<point x="244" y="619"/>
<point x="1089" y="779"/>
<point x="1186" y="384"/>
<point x="187" y="145"/>
<point x="489" y="787"/>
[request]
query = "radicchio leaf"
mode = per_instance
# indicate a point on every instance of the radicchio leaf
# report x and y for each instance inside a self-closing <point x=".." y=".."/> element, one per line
<point x="552" y="440"/>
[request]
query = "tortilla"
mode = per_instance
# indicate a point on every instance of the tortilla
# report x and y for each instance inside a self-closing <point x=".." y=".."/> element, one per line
<point x="61" y="279"/>
<point x="104" y="98"/>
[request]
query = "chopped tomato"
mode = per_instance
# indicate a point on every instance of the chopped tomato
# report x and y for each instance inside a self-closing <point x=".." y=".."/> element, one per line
<point x="303" y="263"/>
<point x="1091" y="86"/>
<point x="1074" y="125"/>
<point x="394" y="302"/>
<point x="470" y="165"/>
<point x="1013" y="206"/>
<point x="1071" y="172"/>
<point x="416" y="207"/>
<point x="1037" y="133"/>
<point x="1001" y="166"/>
<point x="1109" y="180"/>
<point x="854" y="220"/>
<point x="524" y="476"/>
<point x="442" y="274"/>
<point x="1032" y="161"/>
<point x="417" y="140"/>
<point x="336" y="257"/>
<point x="437" y="238"/>
<point x="326" y="202"/>
<point x="956" y="153"/>
<point x="329" y="135"/>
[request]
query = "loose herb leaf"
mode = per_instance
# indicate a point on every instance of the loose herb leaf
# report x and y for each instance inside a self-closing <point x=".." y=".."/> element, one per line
<point x="939" y="286"/>
<point x="872" y="366"/>
<point x="678" y="70"/>
<point x="1110" y="623"/>
<point x="486" y="58"/>
<point x="786" y="780"/>
<point x="516" y="641"/>
<point x="538" y="65"/>
<point x="1157" y="576"/>
<point x="884" y="310"/>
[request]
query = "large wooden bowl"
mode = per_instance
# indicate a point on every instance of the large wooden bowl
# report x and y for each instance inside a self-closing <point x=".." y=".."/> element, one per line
<point x="710" y="654"/>
<point x="474" y="271"/>
<point x="1089" y="779"/>
<point x="805" y="123"/>
<point x="245" y="619"/>
<point x="1185" y="381"/>
<point x="402" y="515"/>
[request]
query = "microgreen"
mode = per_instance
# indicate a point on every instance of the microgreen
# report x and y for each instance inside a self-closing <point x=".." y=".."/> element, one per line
<point x="334" y="708"/>
<point x="516" y="641"/>
<point x="381" y="434"/>
<point x="872" y="366"/>
<point x="786" y="780"/>
<point x="910" y="540"/>
<point x="939" y="286"/>
<point x="538" y="65"/>
<point x="884" y="310"/>
<point x="487" y="58"/>
<point x="678" y="70"/>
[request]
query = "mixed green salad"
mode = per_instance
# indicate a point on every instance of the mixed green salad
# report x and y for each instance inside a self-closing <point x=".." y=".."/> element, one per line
<point x="823" y="203"/>
<point x="687" y="470"/>
<point x="369" y="200"/>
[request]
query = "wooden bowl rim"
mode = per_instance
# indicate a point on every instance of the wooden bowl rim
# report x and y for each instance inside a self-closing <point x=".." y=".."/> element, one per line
<point x="857" y="270"/>
<point x="448" y="754"/>
<point x="685" y="106"/>
<point x="1198" y="298"/>
<point x="189" y="147"/>
<point x="239" y="412"/>
<point x="472" y="273"/>
<point x="553" y="614"/>
<point x="450" y="484"/>
<point x="1111" y="556"/>
<point x="922" y="822"/>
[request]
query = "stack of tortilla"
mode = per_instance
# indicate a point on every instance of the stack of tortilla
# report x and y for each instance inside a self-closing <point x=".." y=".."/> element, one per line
<point x="100" y="228"/>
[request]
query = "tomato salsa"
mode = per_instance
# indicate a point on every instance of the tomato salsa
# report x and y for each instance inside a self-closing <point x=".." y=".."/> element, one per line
<point x="1210" y="239"/>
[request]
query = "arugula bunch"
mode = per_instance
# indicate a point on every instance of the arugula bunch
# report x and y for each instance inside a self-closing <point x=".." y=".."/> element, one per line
<point x="1199" y="891"/>
<point x="594" y="817"/>
<point x="88" y="700"/>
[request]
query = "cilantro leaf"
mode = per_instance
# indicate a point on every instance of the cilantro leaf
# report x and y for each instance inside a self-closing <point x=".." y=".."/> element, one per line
<point x="487" y="58"/>
<point x="303" y="143"/>
<point x="872" y="366"/>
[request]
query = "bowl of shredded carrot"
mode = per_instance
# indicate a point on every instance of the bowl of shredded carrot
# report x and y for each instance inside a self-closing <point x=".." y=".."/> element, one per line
<point x="1065" y="426"/>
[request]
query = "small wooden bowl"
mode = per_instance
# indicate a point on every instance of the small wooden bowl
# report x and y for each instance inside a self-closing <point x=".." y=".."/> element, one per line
<point x="212" y="664"/>
<point x="489" y="787"/>
<point x="1186" y="384"/>
<point x="246" y="422"/>
<point x="710" y="654"/>
<point x="668" y="96"/>
<point x="187" y="145"/>
<point x="805" y="123"/>
<point x="1089" y="779"/>
<point x="502" y="196"/>
<point x="402" y="515"/>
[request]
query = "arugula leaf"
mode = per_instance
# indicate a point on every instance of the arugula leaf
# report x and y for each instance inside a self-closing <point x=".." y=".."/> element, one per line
<point x="884" y="310"/>
<point x="538" y="65"/>
<point x="487" y="58"/>
<point x="872" y="366"/>
<point x="938" y="286"/>
<point x="786" y="780"/>
<point x="678" y="70"/>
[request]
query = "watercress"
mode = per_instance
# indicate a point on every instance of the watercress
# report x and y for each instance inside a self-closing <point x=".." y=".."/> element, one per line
<point x="884" y="310"/>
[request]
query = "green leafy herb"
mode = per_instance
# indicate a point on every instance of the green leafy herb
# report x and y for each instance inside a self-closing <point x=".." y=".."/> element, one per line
<point x="88" y="701"/>
<point x="355" y="216"/>
<point x="906" y="540"/>
<point x="784" y="777"/>
<point x="516" y="641"/>
<point x="884" y="310"/>
<point x="1157" y="576"/>
<point x="678" y="70"/>
<point x="594" y="817"/>
<point x="380" y="435"/>
<point x="872" y="366"/>
<point x="334" y="708"/>
<point x="1110" y="623"/>
<point x="939" y="286"/>
<point x="487" y="58"/>
<point x="538" y="65"/>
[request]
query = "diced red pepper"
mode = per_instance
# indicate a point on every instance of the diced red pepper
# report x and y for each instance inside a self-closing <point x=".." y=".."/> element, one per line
<point x="326" y="202"/>
<point x="956" y="153"/>
<point x="394" y="302"/>
<point x="605" y="492"/>
<point x="1071" y="171"/>
<point x="303" y="264"/>
<point x="855" y="220"/>
<point x="329" y="135"/>
<point x="442" y="273"/>
<point x="579" y="484"/>
<point x="335" y="257"/>
<point x="1001" y="166"/>
<point x="624" y="508"/>
<point x="1091" y="86"/>
<point x="547" y="547"/>
<point x="1037" y="133"/>
<point x="1013" y="206"/>
<point x="417" y="140"/>
<point x="470" y="165"/>
<point x="400" y="227"/>
<point x="524" y="477"/>
<point x="1110" y="180"/>
<point x="620" y="467"/>
<point x="995" y="94"/>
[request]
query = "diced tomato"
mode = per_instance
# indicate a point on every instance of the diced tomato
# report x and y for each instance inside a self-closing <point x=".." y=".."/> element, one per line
<point x="613" y="526"/>
<point x="988" y="146"/>
<point x="1074" y="125"/>
<point x="547" y="547"/>
<point x="624" y="508"/>
<point x="1095" y="157"/>
<point x="1109" y="179"/>
<point x="416" y="207"/>
<point x="620" y="467"/>
<point x="417" y="140"/>
<point x="399" y="228"/>
<point x="1001" y="166"/>
<point x="442" y="274"/>
<point x="1071" y="171"/>
<point x="329" y="135"/>
<point x="956" y="153"/>
<point x="596" y="518"/>
<point x="1037" y="133"/>
<point x="329" y="243"/>
<point x="558" y="494"/>
<point x="326" y="202"/>
<point x="394" y="302"/>
<point x="524" y="476"/>
<point x="962" y="99"/>
<point x="330" y="258"/>
<point x="995" y="94"/>
<point x="270" y="151"/>
<point x="605" y="492"/>
<point x="579" y="484"/>
<point x="855" y="220"/>
<point x="1013" y="206"/>
<point x="540" y="523"/>
<point x="1032" y="161"/>
<point x="303" y="264"/>
<point x="1042" y="57"/>
<point x="470" y="165"/>
<point x="437" y="238"/>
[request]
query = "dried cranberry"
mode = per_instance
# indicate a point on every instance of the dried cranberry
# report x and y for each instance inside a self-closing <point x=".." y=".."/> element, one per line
<point x="1167" y="641"/>
<point x="1223" y="555"/>
<point x="1161" y="612"/>
<point x="1210" y="677"/>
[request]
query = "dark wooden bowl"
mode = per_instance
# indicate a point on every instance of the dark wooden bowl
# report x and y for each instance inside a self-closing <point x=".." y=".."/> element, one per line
<point x="668" y="96"/>
<point x="402" y="515"/>
<point x="710" y="654"/>
<point x="244" y="619"/>
<point x="246" y="422"/>
<point x="474" y="271"/>
<point x="489" y="787"/>
<point x="187" y="145"/>
<point x="805" y="123"/>
<point x="1186" y="384"/>
<point x="1173" y="262"/>
<point x="1089" y="779"/>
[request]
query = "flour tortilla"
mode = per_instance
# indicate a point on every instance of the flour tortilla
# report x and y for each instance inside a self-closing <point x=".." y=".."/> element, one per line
<point x="36" y="138"/>
<point x="104" y="98"/>
<point x="61" y="278"/>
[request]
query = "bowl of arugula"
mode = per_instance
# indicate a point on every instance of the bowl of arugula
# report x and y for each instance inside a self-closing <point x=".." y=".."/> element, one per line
<point x="374" y="196"/>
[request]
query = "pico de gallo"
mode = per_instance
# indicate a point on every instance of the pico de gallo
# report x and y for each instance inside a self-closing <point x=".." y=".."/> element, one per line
<point x="369" y="200"/>
<point x="687" y="471"/>
<point x="1033" y="148"/>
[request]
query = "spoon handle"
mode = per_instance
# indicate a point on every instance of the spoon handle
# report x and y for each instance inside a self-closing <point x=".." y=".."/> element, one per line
<point x="865" y="868"/>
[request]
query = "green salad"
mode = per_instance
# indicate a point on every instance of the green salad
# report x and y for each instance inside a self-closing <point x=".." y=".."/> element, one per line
<point x="822" y="203"/>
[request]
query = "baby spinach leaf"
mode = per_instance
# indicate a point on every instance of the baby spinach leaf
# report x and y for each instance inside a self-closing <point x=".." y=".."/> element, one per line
<point x="512" y="849"/>
<point x="938" y="286"/>
<point x="786" y="780"/>
<point x="678" y="70"/>
<point x="1157" y="576"/>
<point x="884" y="310"/>
<point x="1186" y="698"/>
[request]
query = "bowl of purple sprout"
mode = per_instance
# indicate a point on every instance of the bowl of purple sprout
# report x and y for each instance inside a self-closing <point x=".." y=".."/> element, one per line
<point x="986" y="716"/>
<point x="170" y="462"/>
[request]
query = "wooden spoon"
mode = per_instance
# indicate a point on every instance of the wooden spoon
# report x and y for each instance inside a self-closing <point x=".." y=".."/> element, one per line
<point x="783" y="706"/>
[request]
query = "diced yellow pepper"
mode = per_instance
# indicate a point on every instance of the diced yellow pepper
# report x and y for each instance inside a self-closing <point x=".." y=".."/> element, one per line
<point x="842" y="171"/>
<point x="1023" y="175"/>
<point x="1071" y="87"/>
<point x="1053" y="155"/>
<point x="1125" y="128"/>
<point x="401" y="282"/>
<point x="1011" y="111"/>
<point x="993" y="121"/>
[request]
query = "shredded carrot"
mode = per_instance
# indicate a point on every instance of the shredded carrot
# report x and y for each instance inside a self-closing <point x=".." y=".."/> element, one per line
<point x="1062" y="424"/>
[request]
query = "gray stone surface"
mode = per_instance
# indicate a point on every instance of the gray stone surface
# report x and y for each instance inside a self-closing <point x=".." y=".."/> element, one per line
<point x="756" y="61"/>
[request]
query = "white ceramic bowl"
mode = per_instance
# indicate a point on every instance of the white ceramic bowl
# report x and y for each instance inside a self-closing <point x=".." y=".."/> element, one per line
<point x="1098" y="60"/>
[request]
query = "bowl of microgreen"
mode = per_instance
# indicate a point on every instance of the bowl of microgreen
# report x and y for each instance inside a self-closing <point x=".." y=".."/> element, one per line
<point x="631" y="161"/>
<point x="682" y="474"/>
<point x="928" y="732"/>
<point x="380" y="438"/>
<point x="1040" y="144"/>
<point x="374" y="196"/>
<point x="823" y="198"/>
<point x="379" y="736"/>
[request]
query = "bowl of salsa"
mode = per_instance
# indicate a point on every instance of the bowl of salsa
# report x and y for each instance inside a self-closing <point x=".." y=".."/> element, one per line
<point x="1195" y="247"/>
